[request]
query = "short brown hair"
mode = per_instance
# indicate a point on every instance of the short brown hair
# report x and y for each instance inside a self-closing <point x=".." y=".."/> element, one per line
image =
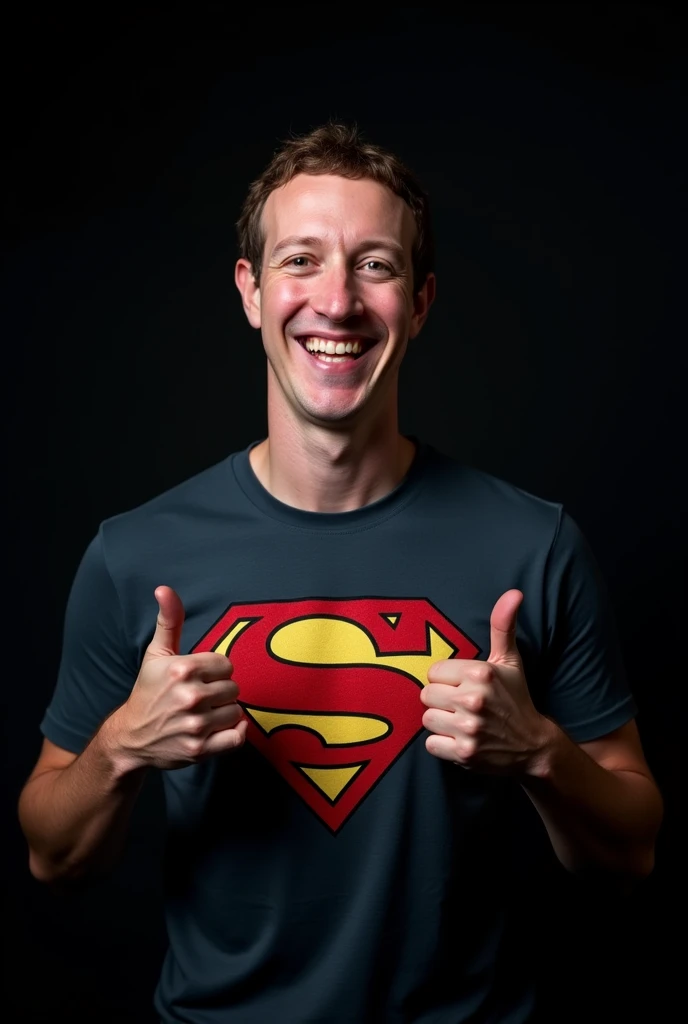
<point x="336" y="148"/>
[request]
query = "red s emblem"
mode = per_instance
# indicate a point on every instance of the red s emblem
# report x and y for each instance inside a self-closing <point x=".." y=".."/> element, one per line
<point x="330" y="687"/>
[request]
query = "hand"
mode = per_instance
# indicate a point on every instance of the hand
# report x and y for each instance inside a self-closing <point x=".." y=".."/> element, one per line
<point x="183" y="707"/>
<point x="480" y="713"/>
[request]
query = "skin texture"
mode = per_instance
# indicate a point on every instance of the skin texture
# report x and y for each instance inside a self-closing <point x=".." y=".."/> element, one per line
<point x="338" y="260"/>
<point x="480" y="714"/>
<point x="597" y="800"/>
<point x="338" y="265"/>
<point x="182" y="709"/>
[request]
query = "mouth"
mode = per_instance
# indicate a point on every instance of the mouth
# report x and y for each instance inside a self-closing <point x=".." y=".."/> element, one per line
<point x="331" y="350"/>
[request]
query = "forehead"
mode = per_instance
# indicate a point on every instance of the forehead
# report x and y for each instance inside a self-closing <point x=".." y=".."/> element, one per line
<point x="339" y="209"/>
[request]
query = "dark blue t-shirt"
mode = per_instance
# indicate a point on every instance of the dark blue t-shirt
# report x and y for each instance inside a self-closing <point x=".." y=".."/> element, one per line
<point x="332" y="870"/>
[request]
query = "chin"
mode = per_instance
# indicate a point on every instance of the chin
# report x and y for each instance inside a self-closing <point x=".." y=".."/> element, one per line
<point x="332" y="417"/>
<point x="333" y="413"/>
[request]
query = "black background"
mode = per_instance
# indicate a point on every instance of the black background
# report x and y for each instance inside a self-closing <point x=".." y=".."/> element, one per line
<point x="551" y="139"/>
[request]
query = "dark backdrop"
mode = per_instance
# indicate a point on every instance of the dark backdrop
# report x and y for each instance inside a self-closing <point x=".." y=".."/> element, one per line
<point x="551" y="139"/>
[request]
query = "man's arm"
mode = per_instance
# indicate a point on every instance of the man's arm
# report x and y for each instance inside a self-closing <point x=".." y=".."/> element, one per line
<point x="598" y="800"/>
<point x="74" y="810"/>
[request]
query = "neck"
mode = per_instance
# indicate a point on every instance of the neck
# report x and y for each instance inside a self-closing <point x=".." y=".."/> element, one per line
<point x="319" y="469"/>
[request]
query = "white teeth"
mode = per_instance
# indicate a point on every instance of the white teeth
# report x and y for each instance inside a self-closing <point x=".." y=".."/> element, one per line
<point x="331" y="348"/>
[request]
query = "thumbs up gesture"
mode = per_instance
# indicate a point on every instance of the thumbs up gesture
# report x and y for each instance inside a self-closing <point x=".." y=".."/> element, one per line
<point x="479" y="713"/>
<point x="182" y="707"/>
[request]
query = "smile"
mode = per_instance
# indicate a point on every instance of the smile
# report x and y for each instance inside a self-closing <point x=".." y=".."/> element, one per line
<point x="334" y="351"/>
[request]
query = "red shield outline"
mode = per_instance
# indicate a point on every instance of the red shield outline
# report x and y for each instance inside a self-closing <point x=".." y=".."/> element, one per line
<point x="331" y="687"/>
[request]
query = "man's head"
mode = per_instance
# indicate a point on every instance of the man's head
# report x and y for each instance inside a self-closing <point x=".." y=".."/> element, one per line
<point x="336" y="149"/>
<point x="336" y="273"/>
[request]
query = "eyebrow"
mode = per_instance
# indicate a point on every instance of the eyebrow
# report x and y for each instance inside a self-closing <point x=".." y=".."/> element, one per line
<point x="308" y="241"/>
<point x="294" y="241"/>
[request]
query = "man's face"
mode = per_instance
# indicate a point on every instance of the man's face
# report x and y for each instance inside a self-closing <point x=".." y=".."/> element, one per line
<point x="335" y="301"/>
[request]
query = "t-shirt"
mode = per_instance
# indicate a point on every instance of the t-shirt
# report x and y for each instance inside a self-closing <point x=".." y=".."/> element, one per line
<point x="332" y="870"/>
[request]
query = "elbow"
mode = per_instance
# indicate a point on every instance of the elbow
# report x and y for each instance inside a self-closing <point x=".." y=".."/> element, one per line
<point x="634" y="872"/>
<point x="641" y="855"/>
<point x="41" y="871"/>
<point x="645" y="864"/>
<point x="619" y="874"/>
<point x="59" y="872"/>
<point x="48" y="872"/>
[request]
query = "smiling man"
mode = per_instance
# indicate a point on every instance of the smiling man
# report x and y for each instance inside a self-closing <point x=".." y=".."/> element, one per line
<point x="337" y="305"/>
<point x="365" y="654"/>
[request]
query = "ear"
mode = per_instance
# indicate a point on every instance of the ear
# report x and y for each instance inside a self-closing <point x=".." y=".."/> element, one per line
<point x="250" y="291"/>
<point x="422" y="302"/>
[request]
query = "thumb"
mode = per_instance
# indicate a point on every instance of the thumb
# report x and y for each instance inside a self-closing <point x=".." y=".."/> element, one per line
<point x="168" y="630"/>
<point x="503" y="627"/>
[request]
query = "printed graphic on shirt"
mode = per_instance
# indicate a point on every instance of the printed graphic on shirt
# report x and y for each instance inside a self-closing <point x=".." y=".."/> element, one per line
<point x="331" y="687"/>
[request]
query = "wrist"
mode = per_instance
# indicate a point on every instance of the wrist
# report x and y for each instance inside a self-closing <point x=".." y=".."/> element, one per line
<point x="540" y="764"/>
<point x="119" y="760"/>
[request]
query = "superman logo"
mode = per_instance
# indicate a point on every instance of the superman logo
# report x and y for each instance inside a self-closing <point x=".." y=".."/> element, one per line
<point x="330" y="687"/>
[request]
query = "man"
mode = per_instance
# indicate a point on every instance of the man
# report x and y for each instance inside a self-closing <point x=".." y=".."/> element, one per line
<point x="364" y="655"/>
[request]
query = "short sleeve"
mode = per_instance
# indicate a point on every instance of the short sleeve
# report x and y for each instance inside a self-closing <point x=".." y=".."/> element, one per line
<point x="97" y="665"/>
<point x="587" y="691"/>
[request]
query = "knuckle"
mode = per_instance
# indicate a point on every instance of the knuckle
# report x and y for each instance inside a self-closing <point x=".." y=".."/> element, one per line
<point x="193" y="747"/>
<point x="474" y="702"/>
<point x="189" y="698"/>
<point x="194" y="726"/>
<point x="467" y="748"/>
<point x="180" y="670"/>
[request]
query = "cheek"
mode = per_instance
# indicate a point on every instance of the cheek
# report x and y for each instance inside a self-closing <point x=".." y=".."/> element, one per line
<point x="284" y="298"/>
<point x="391" y="306"/>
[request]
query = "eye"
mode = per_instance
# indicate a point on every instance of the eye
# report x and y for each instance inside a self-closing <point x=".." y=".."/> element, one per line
<point x="298" y="262"/>
<point x="376" y="267"/>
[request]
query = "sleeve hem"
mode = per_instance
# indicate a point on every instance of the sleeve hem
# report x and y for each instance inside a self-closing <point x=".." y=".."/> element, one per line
<point x="595" y="728"/>
<point x="63" y="736"/>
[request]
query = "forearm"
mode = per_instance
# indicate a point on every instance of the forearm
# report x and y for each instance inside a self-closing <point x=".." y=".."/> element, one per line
<point x="600" y="820"/>
<point x="75" y="819"/>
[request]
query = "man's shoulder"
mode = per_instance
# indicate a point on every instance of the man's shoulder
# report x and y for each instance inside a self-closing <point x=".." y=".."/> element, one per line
<point x="208" y="494"/>
<point x="468" y="489"/>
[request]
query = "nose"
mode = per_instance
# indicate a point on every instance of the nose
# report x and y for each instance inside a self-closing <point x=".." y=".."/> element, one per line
<point x="336" y="295"/>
